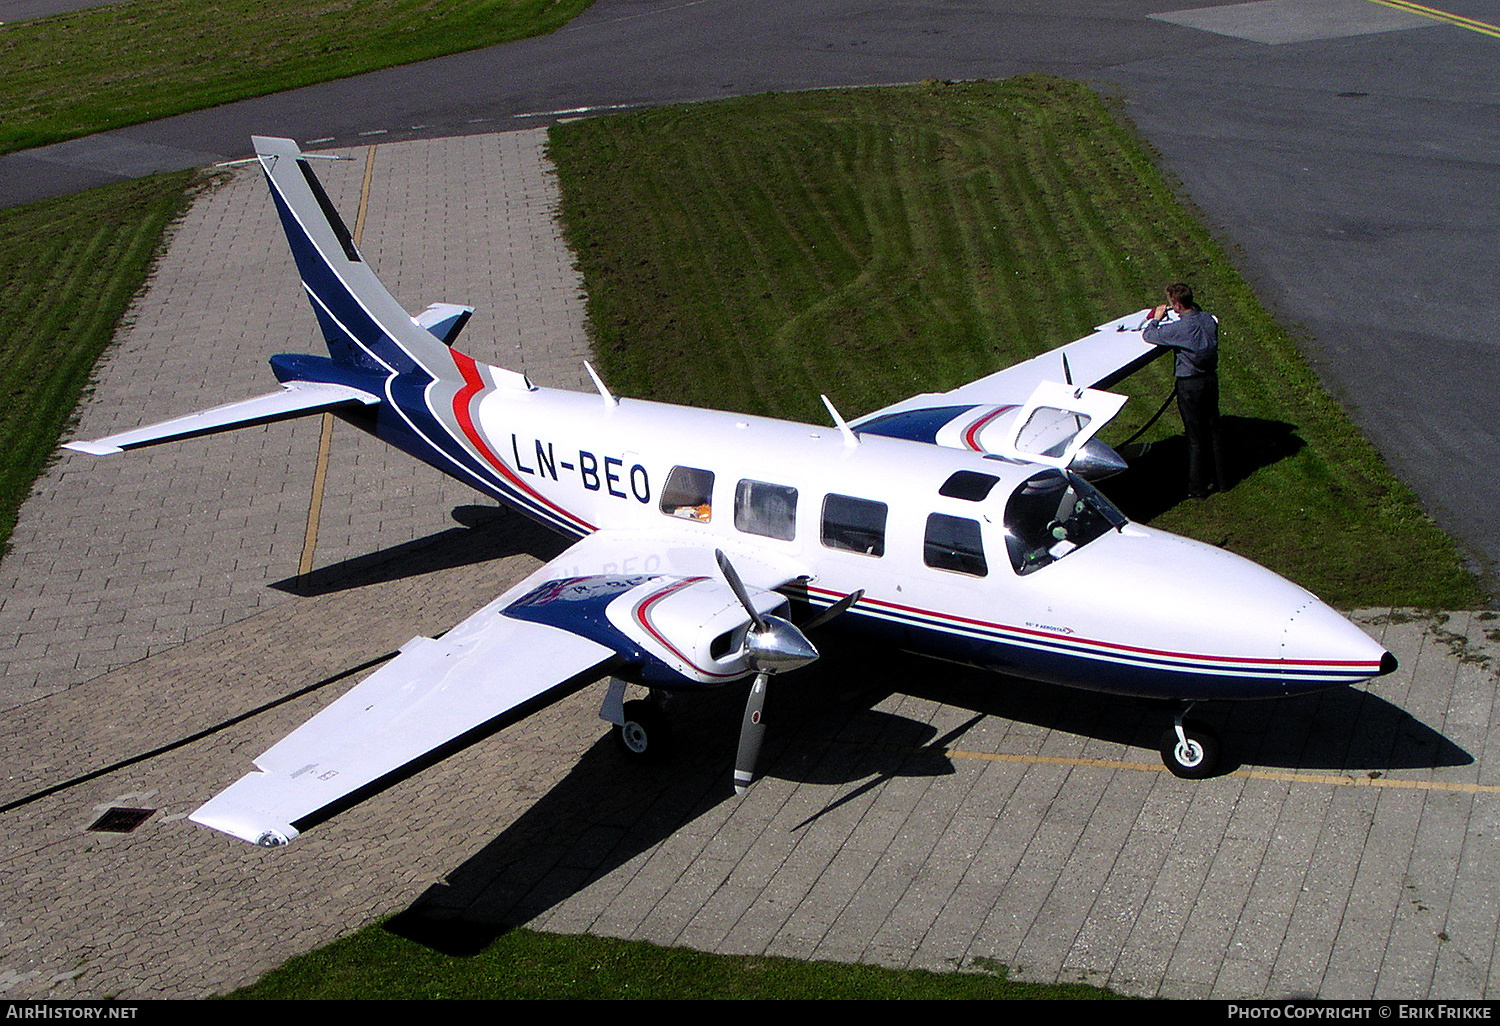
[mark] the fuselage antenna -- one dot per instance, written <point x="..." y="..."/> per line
<point x="850" y="438"/>
<point x="610" y="402"/>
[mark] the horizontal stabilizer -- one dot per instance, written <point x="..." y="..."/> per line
<point x="296" y="399"/>
<point x="445" y="320"/>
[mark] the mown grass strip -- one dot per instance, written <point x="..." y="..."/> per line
<point x="521" y="964"/>
<point x="871" y="244"/>
<point x="75" y="74"/>
<point x="68" y="270"/>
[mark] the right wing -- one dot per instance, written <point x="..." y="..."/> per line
<point x="997" y="413"/>
<point x="614" y="601"/>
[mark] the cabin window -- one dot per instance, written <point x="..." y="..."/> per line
<point x="953" y="543"/>
<point x="689" y="494"/>
<point x="1052" y="514"/>
<point x="769" y="510"/>
<point x="855" y="525"/>
<point x="968" y="484"/>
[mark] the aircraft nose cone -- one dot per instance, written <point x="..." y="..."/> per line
<point x="1318" y="641"/>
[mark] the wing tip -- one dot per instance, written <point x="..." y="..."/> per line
<point x="93" y="448"/>
<point x="241" y="819"/>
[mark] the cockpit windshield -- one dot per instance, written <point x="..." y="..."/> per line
<point x="1050" y="515"/>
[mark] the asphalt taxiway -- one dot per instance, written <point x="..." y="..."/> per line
<point x="911" y="814"/>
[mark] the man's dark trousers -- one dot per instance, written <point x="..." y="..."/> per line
<point x="1198" y="402"/>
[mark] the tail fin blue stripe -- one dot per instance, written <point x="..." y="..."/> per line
<point x="361" y="322"/>
<point x="351" y="334"/>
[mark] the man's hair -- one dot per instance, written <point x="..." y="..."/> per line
<point x="1182" y="294"/>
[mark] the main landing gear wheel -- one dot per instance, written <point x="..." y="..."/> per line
<point x="1193" y="755"/>
<point x="646" y="734"/>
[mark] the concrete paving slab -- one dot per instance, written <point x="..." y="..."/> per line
<point x="1297" y="21"/>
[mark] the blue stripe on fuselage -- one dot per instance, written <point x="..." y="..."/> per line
<point x="1068" y="663"/>
<point x="914" y="425"/>
<point x="355" y="338"/>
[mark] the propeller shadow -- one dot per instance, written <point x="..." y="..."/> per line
<point x="608" y="811"/>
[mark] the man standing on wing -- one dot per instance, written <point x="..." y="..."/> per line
<point x="1195" y="335"/>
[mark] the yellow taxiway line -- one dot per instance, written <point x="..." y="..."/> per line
<point x="1289" y="776"/>
<point x="1451" y="19"/>
<point x="325" y="439"/>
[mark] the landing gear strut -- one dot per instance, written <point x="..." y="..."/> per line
<point x="642" y="730"/>
<point x="1190" y="749"/>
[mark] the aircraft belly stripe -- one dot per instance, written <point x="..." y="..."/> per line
<point x="1214" y="665"/>
<point x="463" y="409"/>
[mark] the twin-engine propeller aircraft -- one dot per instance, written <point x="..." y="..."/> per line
<point x="960" y="525"/>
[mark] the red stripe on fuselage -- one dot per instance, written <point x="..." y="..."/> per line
<point x="971" y="436"/>
<point x="1070" y="641"/>
<point x="462" y="401"/>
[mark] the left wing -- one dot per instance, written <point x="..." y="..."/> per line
<point x="999" y="413"/>
<point x="614" y="601"/>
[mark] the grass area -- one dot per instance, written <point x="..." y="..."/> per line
<point x="68" y="270"/>
<point x="375" y="963"/>
<point x="74" y="74"/>
<point x="870" y="244"/>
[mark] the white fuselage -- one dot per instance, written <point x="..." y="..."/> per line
<point x="1133" y="609"/>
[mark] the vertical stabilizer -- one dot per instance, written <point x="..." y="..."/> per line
<point x="361" y="321"/>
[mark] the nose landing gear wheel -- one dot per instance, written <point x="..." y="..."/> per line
<point x="1194" y="754"/>
<point x="646" y="735"/>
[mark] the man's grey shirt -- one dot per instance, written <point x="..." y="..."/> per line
<point x="1195" y="336"/>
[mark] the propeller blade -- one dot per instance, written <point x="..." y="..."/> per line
<point x="752" y="730"/>
<point x="841" y="606"/>
<point x="738" y="587"/>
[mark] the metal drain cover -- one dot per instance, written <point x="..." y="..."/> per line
<point x="121" y="821"/>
